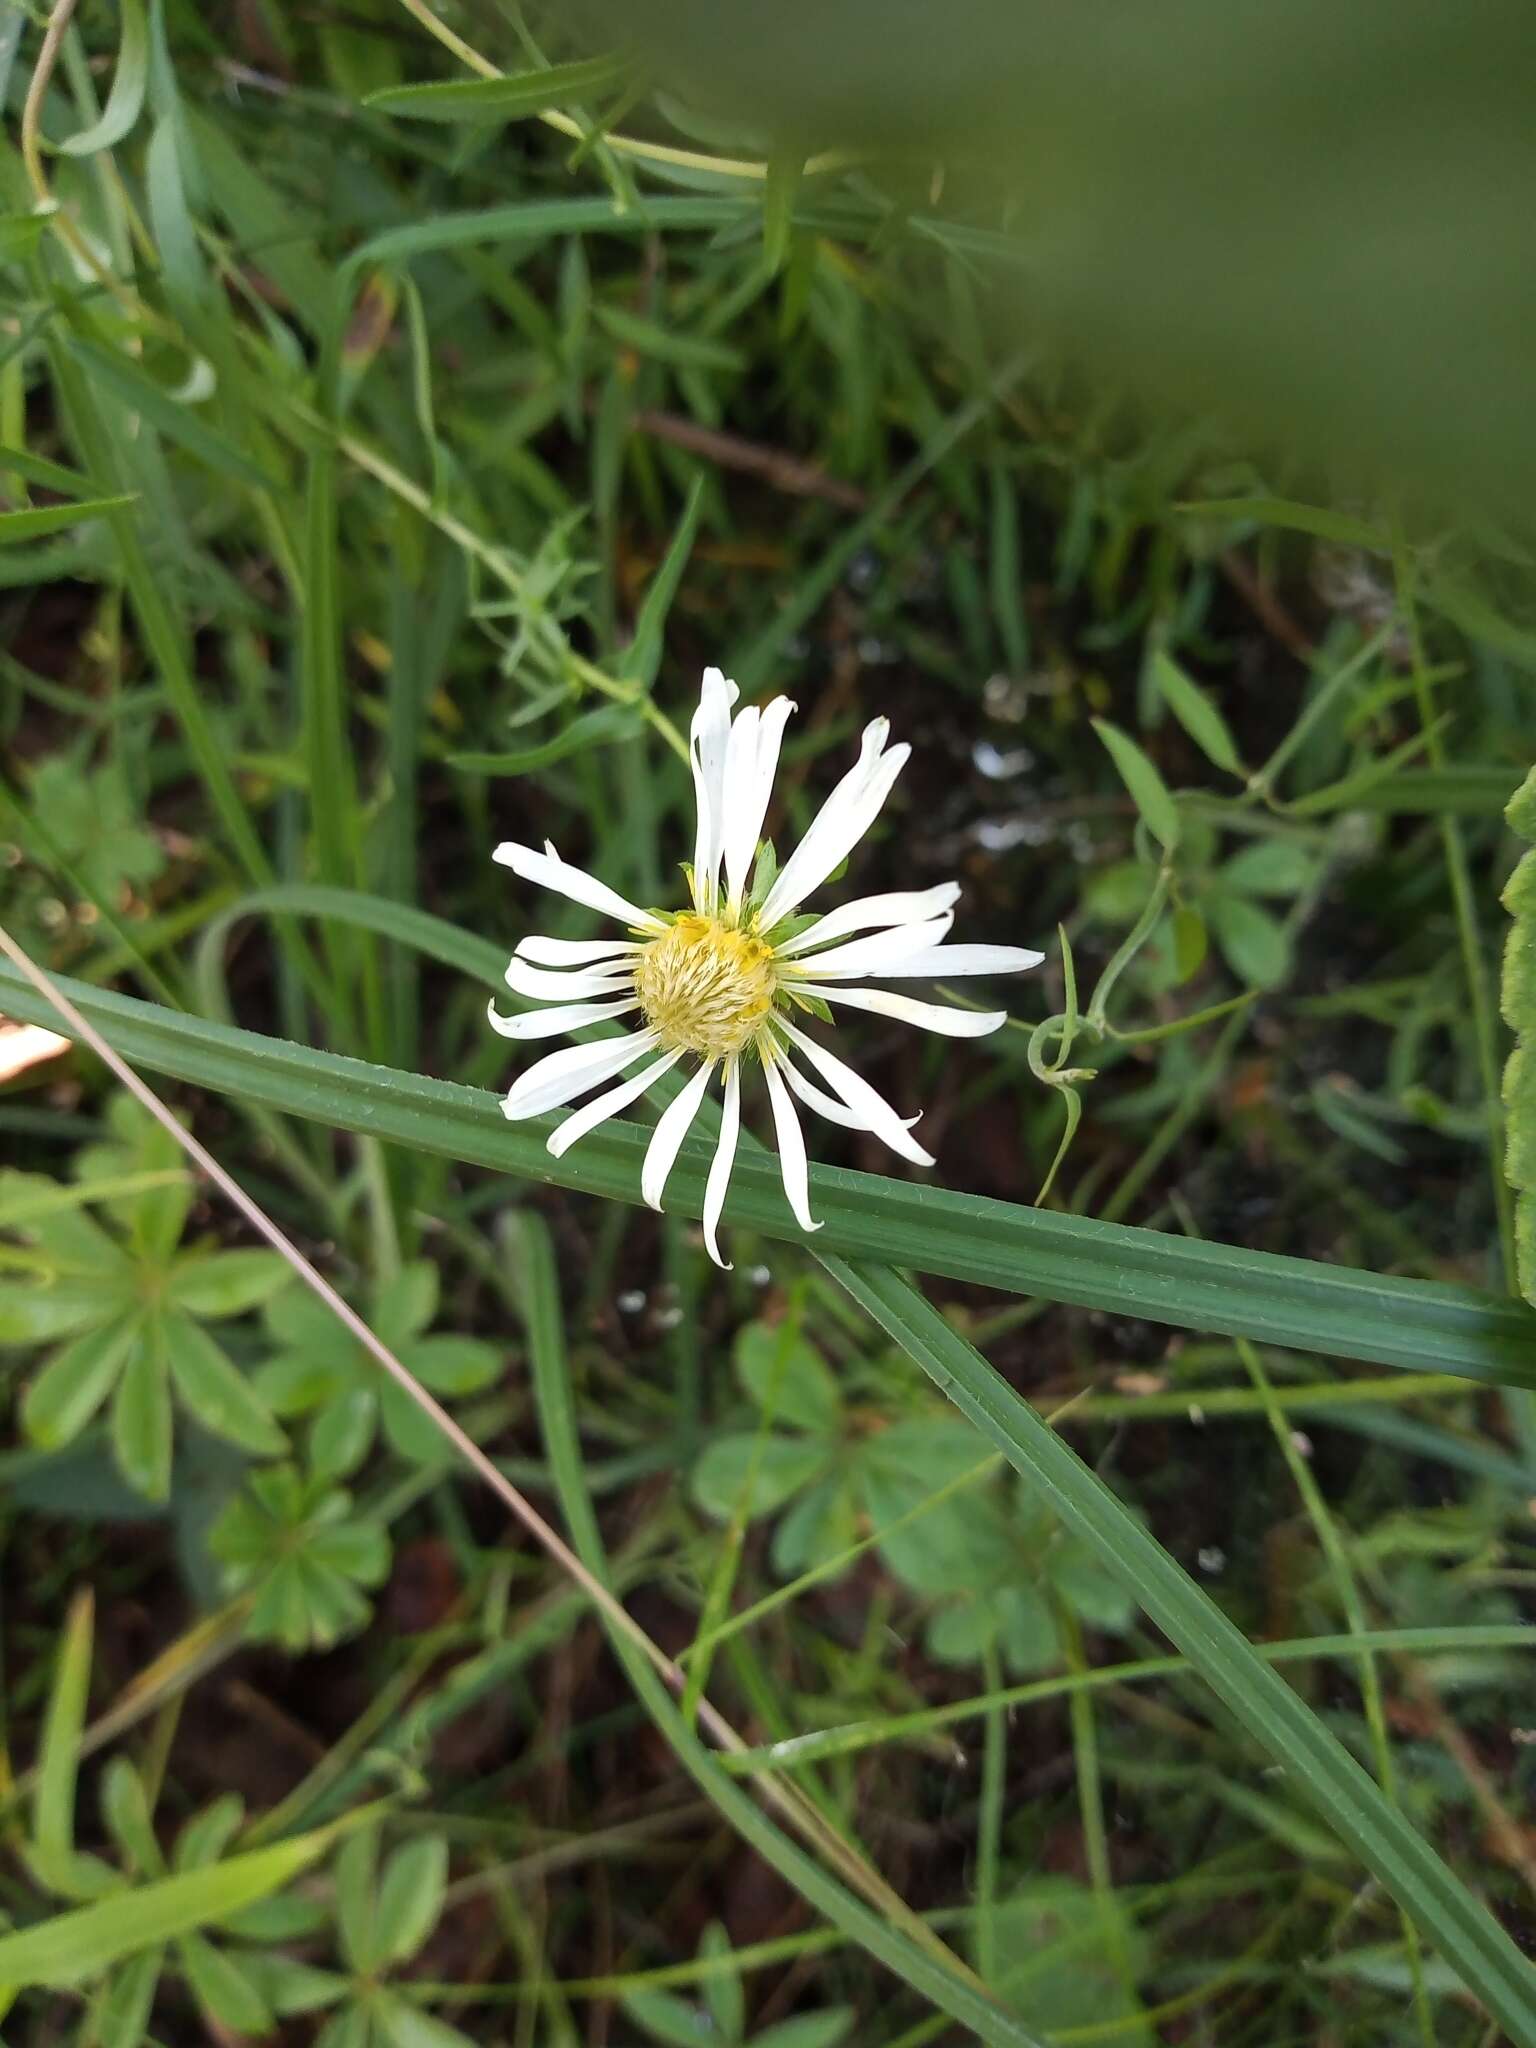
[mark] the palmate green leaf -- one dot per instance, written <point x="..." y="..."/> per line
<point x="1518" y="1001"/>
<point x="1422" y="1325"/>
<point x="1457" y="1925"/>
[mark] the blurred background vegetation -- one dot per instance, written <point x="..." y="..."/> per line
<point x="1136" y="409"/>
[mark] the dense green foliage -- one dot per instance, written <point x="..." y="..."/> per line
<point x="1078" y="1595"/>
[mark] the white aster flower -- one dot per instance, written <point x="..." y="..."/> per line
<point x="729" y="980"/>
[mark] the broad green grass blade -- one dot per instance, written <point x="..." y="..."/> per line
<point x="1460" y="1928"/>
<point x="1344" y="1313"/>
<point x="72" y="1947"/>
<point x="925" y="1973"/>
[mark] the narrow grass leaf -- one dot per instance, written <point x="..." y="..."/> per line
<point x="35" y="520"/>
<point x="53" y="1809"/>
<point x="509" y="98"/>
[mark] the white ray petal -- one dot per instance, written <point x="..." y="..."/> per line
<point x="561" y="1076"/>
<point x="899" y="906"/>
<point x="602" y="1107"/>
<point x="792" y="1165"/>
<point x="724" y="1159"/>
<point x="946" y="963"/>
<point x="574" y="952"/>
<point x="927" y="1016"/>
<point x="672" y="1126"/>
<point x="551" y="872"/>
<point x="560" y="1017"/>
<point x="864" y="1101"/>
<point x="826" y="1105"/>
<point x="708" y="739"/>
<point x="548" y="985"/>
<point x="749" y="771"/>
<point x="881" y="953"/>
<point x="840" y="824"/>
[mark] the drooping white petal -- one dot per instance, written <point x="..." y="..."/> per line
<point x="551" y="872"/>
<point x="672" y="1126"/>
<point x="840" y="824"/>
<point x="561" y="1076"/>
<point x="560" y="1017"/>
<point x="937" y="1017"/>
<point x="881" y="953"/>
<point x="547" y="985"/>
<point x="574" y="952"/>
<point x="750" y="766"/>
<point x="826" y="1105"/>
<point x="724" y="1159"/>
<point x="865" y="1102"/>
<point x="708" y="739"/>
<point x="946" y="963"/>
<point x="900" y="906"/>
<point x="602" y="1107"/>
<point x="792" y="1166"/>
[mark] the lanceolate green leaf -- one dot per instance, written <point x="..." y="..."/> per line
<point x="72" y="1947"/>
<point x="1422" y="1325"/>
<point x="1464" y="1933"/>
<point x="502" y="99"/>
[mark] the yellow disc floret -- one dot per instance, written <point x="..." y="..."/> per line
<point x="705" y="986"/>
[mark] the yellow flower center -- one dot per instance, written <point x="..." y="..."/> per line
<point x="704" y="986"/>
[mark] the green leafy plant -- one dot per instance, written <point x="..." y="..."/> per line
<point x="385" y="1910"/>
<point x="132" y="1303"/>
<point x="293" y="1542"/>
<point x="321" y="1371"/>
<point x="146" y="1911"/>
<point x="987" y="1561"/>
